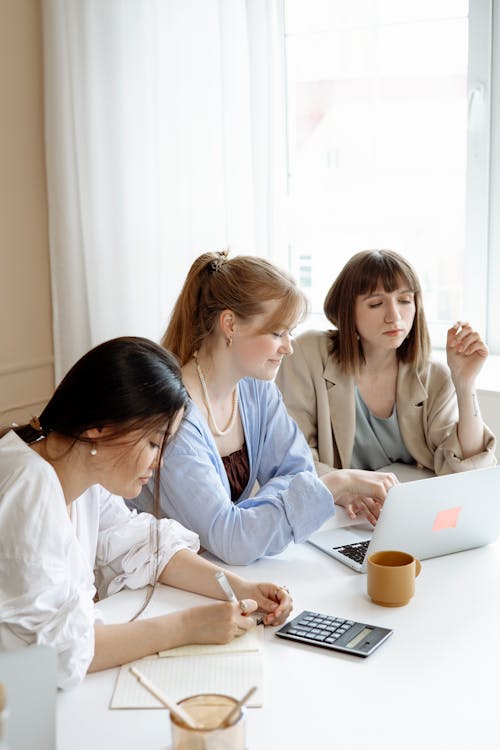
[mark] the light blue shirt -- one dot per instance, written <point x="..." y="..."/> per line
<point x="290" y="504"/>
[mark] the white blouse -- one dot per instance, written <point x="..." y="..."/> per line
<point x="51" y="564"/>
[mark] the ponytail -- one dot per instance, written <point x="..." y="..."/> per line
<point x="241" y="284"/>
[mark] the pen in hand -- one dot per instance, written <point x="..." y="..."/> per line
<point x="221" y="579"/>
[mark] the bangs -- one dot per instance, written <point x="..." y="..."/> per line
<point x="291" y="312"/>
<point x="385" y="270"/>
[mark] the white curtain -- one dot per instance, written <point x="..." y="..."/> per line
<point x="165" y="137"/>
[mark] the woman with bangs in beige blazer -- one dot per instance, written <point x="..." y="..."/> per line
<point x="367" y="394"/>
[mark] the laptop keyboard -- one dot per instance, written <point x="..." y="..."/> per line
<point x="355" y="551"/>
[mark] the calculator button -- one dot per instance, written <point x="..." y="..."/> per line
<point x="330" y="632"/>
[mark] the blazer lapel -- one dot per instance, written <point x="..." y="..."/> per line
<point x="340" y="392"/>
<point x="411" y="394"/>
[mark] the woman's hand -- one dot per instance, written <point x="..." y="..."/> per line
<point x="218" y="623"/>
<point x="359" y="506"/>
<point x="275" y="601"/>
<point x="187" y="570"/>
<point x="466" y="353"/>
<point x="361" y="493"/>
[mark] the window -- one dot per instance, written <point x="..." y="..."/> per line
<point x="389" y="146"/>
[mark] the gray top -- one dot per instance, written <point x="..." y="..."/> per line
<point x="377" y="441"/>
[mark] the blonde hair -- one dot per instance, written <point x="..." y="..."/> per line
<point x="241" y="284"/>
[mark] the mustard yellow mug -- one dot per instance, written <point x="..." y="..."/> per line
<point x="391" y="577"/>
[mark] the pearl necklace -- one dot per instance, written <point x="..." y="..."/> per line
<point x="215" y="429"/>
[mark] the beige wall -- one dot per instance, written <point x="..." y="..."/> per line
<point x="26" y="352"/>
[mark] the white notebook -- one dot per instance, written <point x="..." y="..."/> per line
<point x="230" y="669"/>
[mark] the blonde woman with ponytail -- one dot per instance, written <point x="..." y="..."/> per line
<point x="231" y="328"/>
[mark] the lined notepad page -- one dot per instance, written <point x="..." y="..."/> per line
<point x="250" y="641"/>
<point x="230" y="669"/>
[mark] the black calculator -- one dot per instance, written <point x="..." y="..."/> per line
<point x="335" y="633"/>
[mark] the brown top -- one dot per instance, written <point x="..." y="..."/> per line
<point x="238" y="471"/>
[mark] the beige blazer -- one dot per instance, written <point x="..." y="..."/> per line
<point x="321" y="400"/>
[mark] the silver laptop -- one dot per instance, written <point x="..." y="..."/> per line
<point x="29" y="676"/>
<point x="427" y="518"/>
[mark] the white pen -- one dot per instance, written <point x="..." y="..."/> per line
<point x="221" y="579"/>
<point x="225" y="586"/>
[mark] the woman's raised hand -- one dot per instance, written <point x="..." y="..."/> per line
<point x="466" y="353"/>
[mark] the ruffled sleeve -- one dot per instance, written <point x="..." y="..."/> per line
<point x="126" y="544"/>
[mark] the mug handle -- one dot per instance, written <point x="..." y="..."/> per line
<point x="418" y="567"/>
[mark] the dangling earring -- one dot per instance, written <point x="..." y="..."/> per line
<point x="229" y="341"/>
<point x="93" y="451"/>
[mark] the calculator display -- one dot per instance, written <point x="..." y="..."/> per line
<point x="359" y="638"/>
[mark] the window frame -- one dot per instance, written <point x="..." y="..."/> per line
<point x="493" y="311"/>
<point x="482" y="226"/>
<point x="477" y="213"/>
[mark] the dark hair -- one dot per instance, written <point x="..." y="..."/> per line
<point x="127" y="383"/>
<point x="241" y="284"/>
<point x="361" y="275"/>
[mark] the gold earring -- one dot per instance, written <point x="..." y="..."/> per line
<point x="229" y="341"/>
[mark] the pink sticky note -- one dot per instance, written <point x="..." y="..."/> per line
<point x="446" y="519"/>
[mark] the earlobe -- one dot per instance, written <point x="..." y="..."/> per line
<point x="227" y="323"/>
<point x="93" y="433"/>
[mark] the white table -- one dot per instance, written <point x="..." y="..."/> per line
<point x="433" y="684"/>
